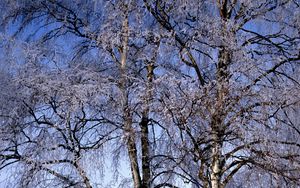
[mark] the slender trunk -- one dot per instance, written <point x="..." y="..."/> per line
<point x="217" y="126"/>
<point x="132" y="152"/>
<point x="129" y="131"/>
<point x="145" y="152"/>
<point x="215" y="175"/>
<point x="144" y="130"/>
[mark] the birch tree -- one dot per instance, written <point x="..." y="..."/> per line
<point x="63" y="18"/>
<point x="195" y="93"/>
<point x="243" y="81"/>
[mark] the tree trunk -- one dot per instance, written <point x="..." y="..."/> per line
<point x="145" y="152"/>
<point x="144" y="130"/>
<point x="217" y="142"/>
<point x="128" y="129"/>
<point x="132" y="152"/>
<point x="216" y="160"/>
<point x="217" y="127"/>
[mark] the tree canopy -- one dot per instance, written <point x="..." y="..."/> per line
<point x="150" y="94"/>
